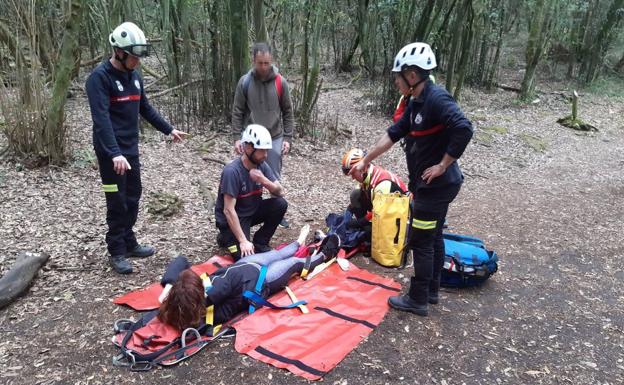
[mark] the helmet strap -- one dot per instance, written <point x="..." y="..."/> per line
<point x="122" y="59"/>
<point x="251" y="158"/>
<point x="412" y="87"/>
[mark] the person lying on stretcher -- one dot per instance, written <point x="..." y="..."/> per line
<point x="187" y="296"/>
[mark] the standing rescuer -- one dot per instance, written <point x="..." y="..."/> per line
<point x="116" y="98"/>
<point x="436" y="134"/>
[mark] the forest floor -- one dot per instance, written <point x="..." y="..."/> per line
<point x="546" y="198"/>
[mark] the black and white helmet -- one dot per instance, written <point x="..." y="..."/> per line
<point x="258" y="136"/>
<point x="129" y="38"/>
<point x="415" y="54"/>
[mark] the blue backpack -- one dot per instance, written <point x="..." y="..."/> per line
<point x="466" y="262"/>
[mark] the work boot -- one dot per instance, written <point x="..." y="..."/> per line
<point x="140" y="252"/>
<point x="260" y="248"/>
<point x="433" y="298"/>
<point x="330" y="246"/>
<point x="120" y="264"/>
<point x="284" y="223"/>
<point x="405" y="303"/>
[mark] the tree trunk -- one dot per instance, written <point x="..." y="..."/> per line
<point x="585" y="35"/>
<point x="345" y="66"/>
<point x="489" y="84"/>
<point x="455" y="46"/>
<point x="540" y="25"/>
<point x="170" y="43"/>
<point x="484" y="49"/>
<point x="54" y="134"/>
<point x="420" y="34"/>
<point x="239" y="38"/>
<point x="620" y="65"/>
<point x="601" y="43"/>
<point x="25" y="82"/>
<point x="19" y="277"/>
<point x="258" y="20"/>
<point x="467" y="42"/>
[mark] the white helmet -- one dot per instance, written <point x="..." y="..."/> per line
<point x="129" y="38"/>
<point x="258" y="136"/>
<point x="415" y="54"/>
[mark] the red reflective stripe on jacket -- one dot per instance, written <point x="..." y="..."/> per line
<point x="400" y="109"/>
<point x="428" y="131"/>
<point x="254" y="192"/>
<point x="127" y="98"/>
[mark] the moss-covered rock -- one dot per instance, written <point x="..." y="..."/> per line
<point x="576" y="124"/>
<point x="535" y="142"/>
<point x="164" y="204"/>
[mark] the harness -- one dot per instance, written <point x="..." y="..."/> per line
<point x="256" y="300"/>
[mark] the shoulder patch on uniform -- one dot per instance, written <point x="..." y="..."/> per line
<point x="119" y="86"/>
<point x="418" y="119"/>
<point x="137" y="84"/>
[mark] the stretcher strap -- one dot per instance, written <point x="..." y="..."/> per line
<point x="258" y="288"/>
<point x="299" y="364"/>
<point x="209" y="309"/>
<point x="258" y="300"/>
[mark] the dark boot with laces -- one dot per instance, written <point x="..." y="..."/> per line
<point x="140" y="252"/>
<point x="120" y="264"/>
<point x="406" y="303"/>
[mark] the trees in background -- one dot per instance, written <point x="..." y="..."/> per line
<point x="202" y="48"/>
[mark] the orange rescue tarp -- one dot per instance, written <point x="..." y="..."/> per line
<point x="345" y="307"/>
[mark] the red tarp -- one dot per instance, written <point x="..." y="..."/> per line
<point x="345" y="307"/>
<point x="147" y="299"/>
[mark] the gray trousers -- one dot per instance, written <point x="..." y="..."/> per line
<point x="274" y="158"/>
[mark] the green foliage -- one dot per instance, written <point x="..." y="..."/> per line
<point x="612" y="86"/>
<point x="84" y="157"/>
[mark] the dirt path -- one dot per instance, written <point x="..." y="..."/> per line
<point x="545" y="198"/>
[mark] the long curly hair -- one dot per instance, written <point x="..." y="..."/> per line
<point x="185" y="306"/>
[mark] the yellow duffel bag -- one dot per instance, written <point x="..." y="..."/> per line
<point x="391" y="214"/>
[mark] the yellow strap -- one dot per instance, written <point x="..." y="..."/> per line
<point x="110" y="188"/>
<point x="210" y="309"/>
<point x="233" y="249"/>
<point x="293" y="298"/>
<point x="304" y="273"/>
<point x="210" y="315"/>
<point x="424" y="225"/>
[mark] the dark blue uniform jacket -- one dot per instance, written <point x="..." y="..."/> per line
<point x="116" y="99"/>
<point x="432" y="125"/>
